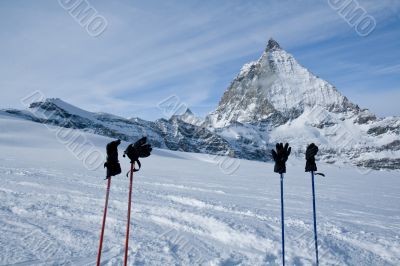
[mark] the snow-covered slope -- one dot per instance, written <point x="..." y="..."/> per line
<point x="185" y="211"/>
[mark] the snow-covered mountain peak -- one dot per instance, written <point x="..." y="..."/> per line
<point x="50" y="105"/>
<point x="189" y="118"/>
<point x="276" y="82"/>
<point x="275" y="99"/>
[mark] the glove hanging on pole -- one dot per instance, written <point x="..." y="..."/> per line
<point x="112" y="163"/>
<point x="113" y="168"/>
<point x="139" y="149"/>
<point x="134" y="151"/>
<point x="280" y="157"/>
<point x="311" y="151"/>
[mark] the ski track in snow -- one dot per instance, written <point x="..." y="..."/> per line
<point x="186" y="212"/>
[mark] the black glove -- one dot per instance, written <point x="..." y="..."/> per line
<point x="311" y="151"/>
<point x="138" y="149"/>
<point x="280" y="157"/>
<point x="112" y="163"/>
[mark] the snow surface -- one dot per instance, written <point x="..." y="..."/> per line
<point x="185" y="211"/>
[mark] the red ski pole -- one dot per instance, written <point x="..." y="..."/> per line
<point x="104" y="221"/>
<point x="129" y="215"/>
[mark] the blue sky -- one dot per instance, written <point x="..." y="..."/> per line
<point x="192" y="49"/>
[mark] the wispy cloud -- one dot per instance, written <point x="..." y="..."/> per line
<point x="387" y="70"/>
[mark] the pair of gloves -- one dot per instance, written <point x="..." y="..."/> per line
<point x="282" y="153"/>
<point x="138" y="149"/>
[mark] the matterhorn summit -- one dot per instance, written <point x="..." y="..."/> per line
<point x="276" y="82"/>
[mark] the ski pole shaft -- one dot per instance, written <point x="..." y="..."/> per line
<point x="104" y="221"/>
<point x="315" y="219"/>
<point x="283" y="223"/>
<point x="129" y="215"/>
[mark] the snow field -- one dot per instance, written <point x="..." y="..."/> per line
<point x="185" y="211"/>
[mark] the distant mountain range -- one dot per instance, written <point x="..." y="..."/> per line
<point x="273" y="99"/>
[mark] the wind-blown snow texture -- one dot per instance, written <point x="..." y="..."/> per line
<point x="274" y="99"/>
<point x="185" y="210"/>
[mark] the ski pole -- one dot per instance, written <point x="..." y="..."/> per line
<point x="280" y="157"/>
<point x="315" y="219"/>
<point x="283" y="223"/>
<point x="129" y="215"/>
<point x="104" y="221"/>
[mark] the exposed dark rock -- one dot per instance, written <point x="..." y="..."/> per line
<point x="378" y="164"/>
